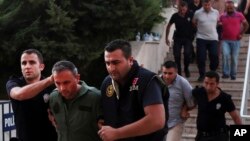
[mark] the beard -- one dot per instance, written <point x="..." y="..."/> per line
<point x="230" y="12"/>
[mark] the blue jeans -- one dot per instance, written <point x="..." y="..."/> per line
<point x="230" y="48"/>
<point x="202" y="47"/>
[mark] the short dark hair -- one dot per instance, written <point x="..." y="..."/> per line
<point x="206" y="1"/>
<point x="64" y="65"/>
<point x="170" y="64"/>
<point x="183" y="4"/>
<point x="35" y="51"/>
<point x="119" y="44"/>
<point x="213" y="74"/>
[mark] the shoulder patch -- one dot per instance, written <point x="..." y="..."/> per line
<point x="46" y="98"/>
<point x="110" y="91"/>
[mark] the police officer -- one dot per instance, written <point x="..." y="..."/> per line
<point x="131" y="98"/>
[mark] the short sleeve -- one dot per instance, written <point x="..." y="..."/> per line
<point x="12" y="82"/>
<point x="229" y="103"/>
<point x="152" y="94"/>
<point x="195" y="92"/>
<point x="242" y="17"/>
<point x="172" y="19"/>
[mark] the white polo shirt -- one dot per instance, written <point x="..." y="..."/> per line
<point x="206" y="24"/>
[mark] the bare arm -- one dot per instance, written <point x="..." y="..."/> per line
<point x="194" y="21"/>
<point x="52" y="118"/>
<point x="185" y="111"/>
<point x="247" y="7"/>
<point x="235" y="117"/>
<point x="31" y="90"/>
<point x="167" y="33"/>
<point x="245" y="26"/>
<point x="153" y="120"/>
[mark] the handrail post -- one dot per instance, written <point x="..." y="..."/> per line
<point x="245" y="94"/>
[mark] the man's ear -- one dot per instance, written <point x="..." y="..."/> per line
<point x="78" y="77"/>
<point x="42" y="66"/>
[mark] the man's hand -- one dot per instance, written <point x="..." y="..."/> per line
<point x="52" y="118"/>
<point x="168" y="42"/>
<point x="245" y="11"/>
<point x="100" y="123"/>
<point x="107" y="133"/>
<point x="240" y="36"/>
<point x="185" y="114"/>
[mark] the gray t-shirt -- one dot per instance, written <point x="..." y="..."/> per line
<point x="206" y="24"/>
<point x="180" y="91"/>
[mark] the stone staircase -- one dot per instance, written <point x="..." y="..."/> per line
<point x="233" y="87"/>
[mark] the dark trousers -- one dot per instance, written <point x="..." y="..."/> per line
<point x="187" y="45"/>
<point x="202" y="47"/>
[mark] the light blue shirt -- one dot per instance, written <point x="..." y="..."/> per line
<point x="180" y="91"/>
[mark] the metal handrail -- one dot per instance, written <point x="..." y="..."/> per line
<point x="245" y="94"/>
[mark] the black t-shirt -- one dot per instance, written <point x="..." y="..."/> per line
<point x="193" y="7"/>
<point x="211" y="114"/>
<point x="183" y="25"/>
<point x="31" y="117"/>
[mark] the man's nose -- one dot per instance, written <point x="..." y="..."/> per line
<point x="111" y="67"/>
<point x="62" y="87"/>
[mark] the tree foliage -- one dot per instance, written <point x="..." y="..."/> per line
<point x="75" y="30"/>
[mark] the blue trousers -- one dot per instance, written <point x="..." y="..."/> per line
<point x="230" y="49"/>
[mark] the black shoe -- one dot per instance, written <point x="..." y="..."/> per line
<point x="187" y="73"/>
<point x="224" y="76"/>
<point x="233" y="77"/>
<point x="200" y="79"/>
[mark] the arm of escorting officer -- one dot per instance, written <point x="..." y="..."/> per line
<point x="30" y="90"/>
<point x="235" y="116"/>
<point x="153" y="120"/>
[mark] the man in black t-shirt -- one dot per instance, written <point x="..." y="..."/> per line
<point x="213" y="103"/>
<point x="183" y="36"/>
<point x="195" y="5"/>
<point x="29" y="96"/>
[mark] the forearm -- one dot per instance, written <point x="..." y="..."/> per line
<point x="245" y="27"/>
<point x="235" y="116"/>
<point x="148" y="124"/>
<point x="238" y="121"/>
<point x="31" y="90"/>
<point x="167" y="32"/>
<point x="247" y="5"/>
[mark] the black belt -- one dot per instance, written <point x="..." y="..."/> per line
<point x="212" y="133"/>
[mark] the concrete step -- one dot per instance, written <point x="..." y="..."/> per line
<point x="224" y="83"/>
<point x="195" y="75"/>
<point x="193" y="112"/>
<point x="232" y="87"/>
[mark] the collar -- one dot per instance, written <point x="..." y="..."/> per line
<point x="84" y="88"/>
<point x="230" y="14"/>
<point x="211" y="10"/>
<point x="133" y="71"/>
<point x="175" y="80"/>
